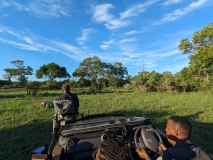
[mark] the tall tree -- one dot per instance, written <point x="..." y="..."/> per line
<point x="91" y="68"/>
<point x="10" y="73"/>
<point x="116" y="73"/>
<point x="20" y="71"/>
<point x="200" y="51"/>
<point x="52" y="71"/>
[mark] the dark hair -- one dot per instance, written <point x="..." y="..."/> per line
<point x="114" y="149"/>
<point x="182" y="125"/>
<point x="66" y="87"/>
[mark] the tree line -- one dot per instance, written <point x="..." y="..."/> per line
<point x="94" y="73"/>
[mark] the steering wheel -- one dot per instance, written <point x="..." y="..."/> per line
<point x="147" y="139"/>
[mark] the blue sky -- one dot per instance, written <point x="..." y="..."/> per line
<point x="142" y="34"/>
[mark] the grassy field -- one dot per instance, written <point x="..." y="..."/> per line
<point x="25" y="125"/>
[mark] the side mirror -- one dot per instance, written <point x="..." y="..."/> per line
<point x="40" y="150"/>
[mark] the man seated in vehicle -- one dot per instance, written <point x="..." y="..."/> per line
<point x="67" y="95"/>
<point x="178" y="130"/>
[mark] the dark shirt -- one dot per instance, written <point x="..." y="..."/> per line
<point x="184" y="150"/>
<point x="64" y="96"/>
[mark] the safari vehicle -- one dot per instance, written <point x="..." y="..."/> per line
<point x="79" y="139"/>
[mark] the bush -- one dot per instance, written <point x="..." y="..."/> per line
<point x="33" y="86"/>
<point x="53" y="85"/>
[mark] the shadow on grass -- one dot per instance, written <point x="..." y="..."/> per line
<point x="45" y="93"/>
<point x="12" y="96"/>
<point x="17" y="143"/>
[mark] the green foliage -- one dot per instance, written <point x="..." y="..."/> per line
<point x="185" y="46"/>
<point x="52" y="71"/>
<point x="100" y="74"/>
<point x="90" y="68"/>
<point x="33" y="86"/>
<point x="147" y="80"/>
<point x="10" y="72"/>
<point x="53" y="85"/>
<point x="201" y="52"/>
<point x="3" y="82"/>
<point x="20" y="72"/>
<point x="115" y="74"/>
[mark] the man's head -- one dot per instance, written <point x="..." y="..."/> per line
<point x="113" y="149"/>
<point x="178" y="128"/>
<point x="66" y="88"/>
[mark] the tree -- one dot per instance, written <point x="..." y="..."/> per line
<point x="200" y="51"/>
<point x="92" y="69"/>
<point x="167" y="81"/>
<point x="10" y="72"/>
<point x="153" y="80"/>
<point x="147" y="81"/>
<point x="116" y="73"/>
<point x="20" y="72"/>
<point x="52" y="71"/>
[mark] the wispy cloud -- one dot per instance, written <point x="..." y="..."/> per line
<point x="4" y="3"/>
<point x="28" y="41"/>
<point x="131" y="32"/>
<point x="136" y="9"/>
<point x="169" y="2"/>
<point x="165" y="54"/>
<point x="106" y="45"/>
<point x="85" y="34"/>
<point x="101" y="15"/>
<point x="175" y="67"/>
<point x="5" y="15"/>
<point x="180" y="12"/>
<point x="39" y="8"/>
<point x="127" y="40"/>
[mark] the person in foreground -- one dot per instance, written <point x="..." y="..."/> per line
<point x="178" y="130"/>
<point x="113" y="149"/>
<point x="65" y="96"/>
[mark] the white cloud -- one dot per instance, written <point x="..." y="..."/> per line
<point x="106" y="45"/>
<point x="131" y="32"/>
<point x="28" y="41"/>
<point x="85" y="34"/>
<point x="42" y="8"/>
<point x="169" y="2"/>
<point x="4" y="4"/>
<point x="18" y="44"/>
<point x="180" y="12"/>
<point x="155" y="54"/>
<point x="136" y="9"/>
<point x="127" y="40"/>
<point x="101" y="15"/>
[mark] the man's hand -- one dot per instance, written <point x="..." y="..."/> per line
<point x="142" y="153"/>
<point x="161" y="147"/>
<point x="42" y="104"/>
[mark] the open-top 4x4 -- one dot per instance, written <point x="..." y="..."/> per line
<point x="79" y="139"/>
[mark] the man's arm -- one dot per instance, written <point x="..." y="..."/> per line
<point x="47" y="104"/>
<point x="142" y="154"/>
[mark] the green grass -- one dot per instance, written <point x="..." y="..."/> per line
<point x="25" y="125"/>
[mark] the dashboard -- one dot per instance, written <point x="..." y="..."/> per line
<point x="80" y="139"/>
